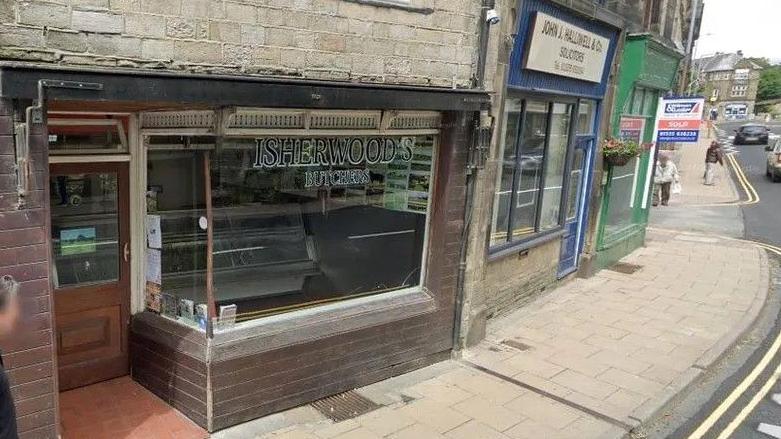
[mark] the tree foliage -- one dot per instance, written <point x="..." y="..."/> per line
<point x="769" y="84"/>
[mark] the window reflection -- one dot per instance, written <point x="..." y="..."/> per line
<point x="532" y="147"/>
<point x="295" y="222"/>
<point x="84" y="228"/>
<point x="534" y="204"/>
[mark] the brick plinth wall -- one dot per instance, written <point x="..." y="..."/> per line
<point x="24" y="254"/>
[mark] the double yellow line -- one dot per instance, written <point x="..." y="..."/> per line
<point x="744" y="385"/>
<point x="748" y="188"/>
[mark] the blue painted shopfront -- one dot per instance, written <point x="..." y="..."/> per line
<point x="584" y="99"/>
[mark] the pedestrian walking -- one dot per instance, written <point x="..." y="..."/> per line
<point x="666" y="174"/>
<point x="713" y="156"/>
<point x="9" y="314"/>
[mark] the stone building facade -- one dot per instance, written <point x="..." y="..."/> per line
<point x="409" y="42"/>
<point x="97" y="96"/>
<point x="501" y="278"/>
<point x="729" y="83"/>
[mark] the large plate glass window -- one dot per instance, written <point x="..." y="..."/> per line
<point x="531" y="178"/>
<point x="296" y="221"/>
<point x="175" y="203"/>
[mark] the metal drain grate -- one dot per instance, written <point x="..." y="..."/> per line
<point x="625" y="268"/>
<point x="515" y="344"/>
<point x="344" y="406"/>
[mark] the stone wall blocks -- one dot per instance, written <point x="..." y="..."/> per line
<point x="157" y="49"/>
<point x="253" y="34"/>
<point x="95" y="5"/>
<point x="98" y="22"/>
<point x="323" y="23"/>
<point x="163" y="7"/>
<point x="237" y="55"/>
<point x="225" y="31"/>
<point x="196" y="9"/>
<point x="21" y="36"/>
<point x="331" y="42"/>
<point x="125" y="5"/>
<point x="114" y="45"/>
<point x="198" y="52"/>
<point x="360" y="27"/>
<point x="145" y="25"/>
<point x="182" y="28"/>
<point x="240" y="12"/>
<point x="44" y="14"/>
<point x="265" y="55"/>
<point x="64" y="39"/>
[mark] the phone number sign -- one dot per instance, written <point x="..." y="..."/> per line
<point x="678" y="136"/>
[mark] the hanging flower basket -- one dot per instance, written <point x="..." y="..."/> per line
<point x="619" y="152"/>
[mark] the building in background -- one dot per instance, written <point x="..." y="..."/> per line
<point x="246" y="206"/>
<point x="729" y="83"/>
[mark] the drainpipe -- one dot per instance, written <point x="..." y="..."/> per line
<point x="482" y="43"/>
<point x="482" y="132"/>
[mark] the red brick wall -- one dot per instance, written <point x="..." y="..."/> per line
<point x="28" y="354"/>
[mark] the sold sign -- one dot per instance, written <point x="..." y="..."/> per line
<point x="679" y="124"/>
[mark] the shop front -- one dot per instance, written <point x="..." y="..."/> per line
<point x="241" y="246"/>
<point x="559" y="70"/>
<point x="648" y="71"/>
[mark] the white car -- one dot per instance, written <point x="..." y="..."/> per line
<point x="774" y="160"/>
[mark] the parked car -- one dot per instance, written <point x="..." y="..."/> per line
<point x="751" y="133"/>
<point x="774" y="161"/>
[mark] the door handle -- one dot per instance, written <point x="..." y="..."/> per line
<point x="126" y="252"/>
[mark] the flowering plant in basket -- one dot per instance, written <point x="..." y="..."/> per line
<point x="619" y="152"/>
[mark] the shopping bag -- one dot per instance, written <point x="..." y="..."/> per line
<point x="677" y="189"/>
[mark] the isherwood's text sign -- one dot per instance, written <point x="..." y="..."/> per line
<point x="328" y="152"/>
<point x="564" y="49"/>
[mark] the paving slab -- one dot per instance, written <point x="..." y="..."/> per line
<point x="593" y="358"/>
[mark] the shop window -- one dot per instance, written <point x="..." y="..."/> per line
<point x="650" y="102"/>
<point x="739" y="90"/>
<point x="295" y="221"/>
<point x="623" y="180"/>
<point x="585" y="120"/>
<point x="175" y="205"/>
<point x="715" y="94"/>
<point x="575" y="181"/>
<point x="558" y="141"/>
<point x="622" y="193"/>
<point x="638" y="96"/>
<point x="87" y="135"/>
<point x="534" y="149"/>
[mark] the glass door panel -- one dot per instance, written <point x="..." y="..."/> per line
<point x="85" y="228"/>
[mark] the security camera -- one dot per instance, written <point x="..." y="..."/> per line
<point x="492" y="17"/>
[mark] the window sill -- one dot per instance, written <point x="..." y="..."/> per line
<point x="517" y="247"/>
<point x="393" y="5"/>
<point x="274" y="332"/>
<point x="174" y="334"/>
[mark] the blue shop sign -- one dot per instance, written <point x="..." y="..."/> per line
<point x="559" y="52"/>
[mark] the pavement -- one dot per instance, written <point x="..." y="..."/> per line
<point x="594" y="358"/>
<point x="700" y="208"/>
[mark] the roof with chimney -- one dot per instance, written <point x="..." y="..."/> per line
<point x="720" y="62"/>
